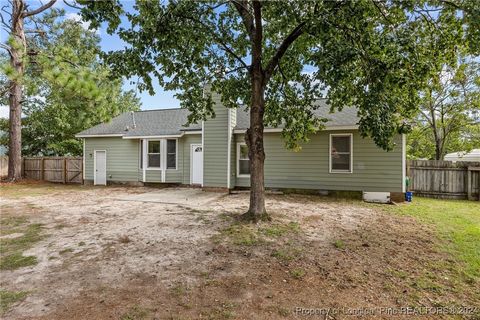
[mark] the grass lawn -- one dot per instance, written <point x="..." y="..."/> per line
<point x="457" y="223"/>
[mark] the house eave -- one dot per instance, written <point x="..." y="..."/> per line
<point x="98" y="135"/>
<point x="155" y="137"/>
<point x="328" y="128"/>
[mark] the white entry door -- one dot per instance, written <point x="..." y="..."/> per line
<point x="100" y="167"/>
<point x="196" y="156"/>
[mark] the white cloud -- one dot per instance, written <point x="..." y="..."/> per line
<point x="85" y="24"/>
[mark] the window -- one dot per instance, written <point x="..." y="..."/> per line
<point x="171" y="154"/>
<point x="243" y="162"/>
<point x="341" y="153"/>
<point x="153" y="154"/>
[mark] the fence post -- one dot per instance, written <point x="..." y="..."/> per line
<point x="42" y="172"/>
<point x="64" y="170"/>
<point x="469" y="184"/>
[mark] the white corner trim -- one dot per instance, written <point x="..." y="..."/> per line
<point x="144" y="160"/>
<point x="404" y="161"/>
<point x="229" y="146"/>
<point x="83" y="161"/>
<point x="330" y="152"/>
<point x="238" y="161"/>
<point x="98" y="135"/>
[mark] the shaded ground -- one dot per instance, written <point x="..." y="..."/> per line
<point x="98" y="256"/>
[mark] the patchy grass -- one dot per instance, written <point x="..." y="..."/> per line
<point x="287" y="253"/>
<point x="297" y="273"/>
<point x="339" y="244"/>
<point x="457" y="223"/>
<point x="246" y="234"/>
<point x="65" y="251"/>
<point x="7" y="298"/>
<point x="35" y="189"/>
<point x="136" y="313"/>
<point x="11" y="249"/>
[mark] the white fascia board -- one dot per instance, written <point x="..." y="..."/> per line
<point x="155" y="137"/>
<point x="328" y="128"/>
<point x="98" y="135"/>
<point x="193" y="132"/>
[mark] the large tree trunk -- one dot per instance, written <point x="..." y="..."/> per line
<point x="15" y="100"/>
<point x="256" y="153"/>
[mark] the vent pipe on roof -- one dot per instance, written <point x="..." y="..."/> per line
<point x="133" y="119"/>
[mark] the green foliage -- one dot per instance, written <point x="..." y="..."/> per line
<point x="67" y="89"/>
<point x="374" y="55"/>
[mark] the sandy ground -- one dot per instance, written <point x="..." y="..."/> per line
<point x="143" y="253"/>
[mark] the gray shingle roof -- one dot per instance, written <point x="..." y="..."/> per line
<point x="172" y="122"/>
<point x="147" y="123"/>
<point x="346" y="117"/>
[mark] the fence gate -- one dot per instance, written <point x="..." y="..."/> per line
<point x="54" y="169"/>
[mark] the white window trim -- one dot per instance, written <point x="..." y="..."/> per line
<point x="176" y="154"/>
<point x="160" y="154"/>
<point x="330" y="152"/>
<point x="238" y="161"/>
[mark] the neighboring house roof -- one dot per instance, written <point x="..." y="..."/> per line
<point x="473" y="155"/>
<point x="165" y="122"/>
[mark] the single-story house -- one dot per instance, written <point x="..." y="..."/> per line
<point x="155" y="146"/>
<point x="473" y="155"/>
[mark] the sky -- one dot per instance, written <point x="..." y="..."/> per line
<point x="161" y="100"/>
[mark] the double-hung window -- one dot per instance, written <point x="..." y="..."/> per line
<point x="153" y="154"/>
<point x="172" y="154"/>
<point x="243" y="162"/>
<point x="341" y="153"/>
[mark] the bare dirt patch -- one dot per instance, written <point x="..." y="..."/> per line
<point x="102" y="257"/>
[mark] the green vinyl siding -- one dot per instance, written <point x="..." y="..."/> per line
<point x="373" y="168"/>
<point x="122" y="158"/>
<point x="215" y="146"/>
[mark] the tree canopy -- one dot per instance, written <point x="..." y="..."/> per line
<point x="68" y="88"/>
<point x="362" y="53"/>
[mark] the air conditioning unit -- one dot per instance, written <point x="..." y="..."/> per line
<point x="377" y="197"/>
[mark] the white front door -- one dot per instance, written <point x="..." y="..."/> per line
<point x="100" y="167"/>
<point x="197" y="164"/>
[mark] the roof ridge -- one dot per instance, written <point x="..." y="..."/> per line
<point x="165" y="109"/>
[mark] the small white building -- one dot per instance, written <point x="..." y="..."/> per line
<point x="473" y="155"/>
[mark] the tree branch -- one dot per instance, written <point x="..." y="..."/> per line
<point x="297" y="32"/>
<point x="39" y="10"/>
<point x="7" y="48"/>
<point x="246" y="15"/>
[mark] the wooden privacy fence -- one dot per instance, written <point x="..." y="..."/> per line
<point x="444" y="179"/>
<point x="54" y="169"/>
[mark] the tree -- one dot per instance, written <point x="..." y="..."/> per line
<point x="362" y="53"/>
<point x="17" y="50"/>
<point x="54" y="110"/>
<point x="449" y="112"/>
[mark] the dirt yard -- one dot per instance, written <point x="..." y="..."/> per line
<point x="73" y="252"/>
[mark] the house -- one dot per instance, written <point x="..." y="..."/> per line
<point x="473" y="155"/>
<point x="155" y="146"/>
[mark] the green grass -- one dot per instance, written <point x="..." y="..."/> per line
<point x="7" y="298"/>
<point x="457" y="223"/>
<point x="297" y="273"/>
<point x="339" y="244"/>
<point x="11" y="249"/>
